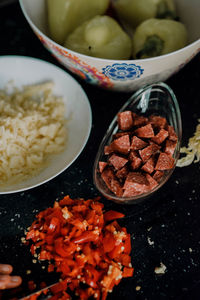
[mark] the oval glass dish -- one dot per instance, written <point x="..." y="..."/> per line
<point x="153" y="100"/>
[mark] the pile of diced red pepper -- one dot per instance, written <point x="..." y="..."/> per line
<point x="87" y="246"/>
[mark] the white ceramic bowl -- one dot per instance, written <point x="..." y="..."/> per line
<point x="77" y="111"/>
<point x="119" y="75"/>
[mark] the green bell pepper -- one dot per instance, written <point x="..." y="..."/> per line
<point x="155" y="37"/>
<point x="65" y="15"/>
<point x="134" y="12"/>
<point x="100" y="37"/>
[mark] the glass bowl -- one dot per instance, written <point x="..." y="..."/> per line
<point x="156" y="99"/>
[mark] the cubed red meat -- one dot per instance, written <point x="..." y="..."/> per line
<point x="152" y="182"/>
<point x="122" y="144"/>
<point x="155" y="147"/>
<point x="111" y="181"/>
<point x="160" y="136"/>
<point x="119" y="134"/>
<point x="139" y="120"/>
<point x="108" y="149"/>
<point x="133" y="154"/>
<point x="158" y="175"/>
<point x="137" y="181"/>
<point x="125" y="120"/>
<point x="136" y="163"/>
<point x="145" y="131"/>
<point x="102" y="166"/>
<point x="158" y="121"/>
<point x="164" y="162"/>
<point x="172" y="133"/>
<point x="137" y="143"/>
<point x="170" y="146"/>
<point x="117" y="161"/>
<point x="130" y="191"/>
<point x="149" y="166"/>
<point x="146" y="153"/>
<point x="122" y="173"/>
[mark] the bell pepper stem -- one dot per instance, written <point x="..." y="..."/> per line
<point x="163" y="12"/>
<point x="153" y="46"/>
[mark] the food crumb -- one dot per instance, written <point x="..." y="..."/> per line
<point x="28" y="272"/>
<point x="161" y="269"/>
<point x="17" y="215"/>
<point x="138" y="288"/>
<point x="23" y="240"/>
<point x="150" y="241"/>
<point x="190" y="250"/>
<point x="34" y="261"/>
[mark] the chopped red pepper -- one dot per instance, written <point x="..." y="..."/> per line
<point x="128" y="272"/>
<point x="108" y="242"/>
<point x="84" y="246"/>
<point x="112" y="215"/>
<point x="85" y="237"/>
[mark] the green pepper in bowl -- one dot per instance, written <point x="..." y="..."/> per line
<point x="100" y="37"/>
<point x="155" y="37"/>
<point x="65" y="15"/>
<point x="134" y="12"/>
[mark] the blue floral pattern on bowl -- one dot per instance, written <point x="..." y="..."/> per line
<point x="123" y="71"/>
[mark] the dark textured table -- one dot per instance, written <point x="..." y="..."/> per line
<point x="170" y="219"/>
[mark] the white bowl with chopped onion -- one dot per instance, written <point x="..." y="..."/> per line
<point x="45" y="122"/>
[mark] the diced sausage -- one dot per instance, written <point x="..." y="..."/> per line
<point x="155" y="147"/>
<point x="145" y="131"/>
<point x="160" y="136"/>
<point x="137" y="181"/>
<point x="117" y="161"/>
<point x="146" y="153"/>
<point x="158" y="175"/>
<point x="111" y="181"/>
<point x="102" y="166"/>
<point x="172" y="133"/>
<point x="122" y="173"/>
<point x="125" y="120"/>
<point x="157" y="121"/>
<point x="139" y="120"/>
<point x="108" y="149"/>
<point x="137" y="143"/>
<point x="136" y="163"/>
<point x="133" y="154"/>
<point x="130" y="191"/>
<point x="164" y="162"/>
<point x="119" y="134"/>
<point x="122" y="144"/>
<point x="149" y="165"/>
<point x="152" y="182"/>
<point x="170" y="146"/>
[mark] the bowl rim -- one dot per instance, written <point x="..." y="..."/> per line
<point x="139" y="198"/>
<point x="103" y="59"/>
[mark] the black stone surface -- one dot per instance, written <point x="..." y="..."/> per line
<point x="171" y="218"/>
